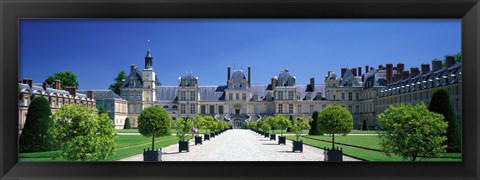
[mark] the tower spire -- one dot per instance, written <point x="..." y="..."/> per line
<point x="148" y="57"/>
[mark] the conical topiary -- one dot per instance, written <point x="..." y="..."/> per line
<point x="127" y="124"/>
<point x="35" y="136"/>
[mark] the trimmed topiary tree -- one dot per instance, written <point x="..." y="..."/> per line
<point x="154" y="121"/>
<point x="315" y="125"/>
<point x="127" y="124"/>
<point x="35" y="136"/>
<point x="412" y="131"/>
<point x="82" y="133"/>
<point x="335" y="119"/>
<point x="289" y="129"/>
<point x="441" y="104"/>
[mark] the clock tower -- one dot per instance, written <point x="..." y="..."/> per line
<point x="148" y="76"/>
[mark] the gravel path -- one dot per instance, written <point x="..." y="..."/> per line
<point x="239" y="145"/>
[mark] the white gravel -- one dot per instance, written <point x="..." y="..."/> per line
<point x="240" y="145"/>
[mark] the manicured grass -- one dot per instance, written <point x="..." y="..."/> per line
<point x="365" y="154"/>
<point x="363" y="132"/>
<point x="126" y="146"/>
<point x="127" y="130"/>
<point x="372" y="142"/>
<point x="285" y="132"/>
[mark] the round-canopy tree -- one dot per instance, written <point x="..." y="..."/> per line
<point x="335" y="120"/>
<point x="67" y="78"/>
<point x="282" y="123"/>
<point x="35" y="136"/>
<point x="183" y="126"/>
<point x="441" y="104"/>
<point x="412" y="131"/>
<point x="265" y="127"/>
<point x="199" y="123"/>
<point x="299" y="125"/>
<point x="82" y="133"/>
<point x="154" y="121"/>
<point x="272" y="122"/>
<point x="209" y="124"/>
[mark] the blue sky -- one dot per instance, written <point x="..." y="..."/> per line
<point x="97" y="49"/>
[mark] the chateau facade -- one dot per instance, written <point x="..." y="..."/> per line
<point x="364" y="95"/>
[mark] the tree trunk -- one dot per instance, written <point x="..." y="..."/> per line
<point x="153" y="142"/>
<point x="333" y="141"/>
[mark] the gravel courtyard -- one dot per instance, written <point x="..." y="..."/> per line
<point x="239" y="145"/>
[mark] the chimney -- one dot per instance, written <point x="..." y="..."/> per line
<point x="25" y="81"/>
<point x="436" y="65"/>
<point x="380" y="67"/>
<point x="273" y="84"/>
<point x="72" y="90"/>
<point x="414" y="71"/>
<point x="400" y="67"/>
<point x="354" y="71"/>
<point x="389" y="72"/>
<point x="449" y="61"/>
<point x="90" y="94"/>
<point x="367" y="68"/>
<point x="44" y="85"/>
<point x="56" y="84"/>
<point x="359" y="71"/>
<point x="425" y="68"/>
<point x="329" y="73"/>
<point x="405" y="74"/>
<point x="228" y="73"/>
<point x="30" y="82"/>
<point x="397" y="77"/>
<point x="132" y="67"/>
<point x="249" y="71"/>
<point x="371" y="68"/>
<point x="343" y="71"/>
<point x="312" y="84"/>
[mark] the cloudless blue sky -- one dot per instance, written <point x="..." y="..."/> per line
<point x="97" y="49"/>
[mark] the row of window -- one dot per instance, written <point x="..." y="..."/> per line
<point x="183" y="96"/>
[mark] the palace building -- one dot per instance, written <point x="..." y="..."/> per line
<point x="365" y="95"/>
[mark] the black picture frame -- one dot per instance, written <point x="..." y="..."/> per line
<point x="12" y="11"/>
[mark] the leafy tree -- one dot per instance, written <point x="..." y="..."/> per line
<point x="412" y="131"/>
<point x="441" y="104"/>
<point x="101" y="109"/>
<point x="315" y="125"/>
<point x="67" y="78"/>
<point x="210" y="124"/>
<point x="364" y="125"/>
<point x="154" y="121"/>
<point x="183" y="127"/>
<point x="115" y="87"/>
<point x="265" y="127"/>
<point x="282" y="123"/>
<point x="35" y="136"/>
<point x="254" y="125"/>
<point x="458" y="57"/>
<point x="299" y="125"/>
<point x="127" y="124"/>
<point x="199" y="122"/>
<point x="272" y="122"/>
<point x="291" y="122"/>
<point x="83" y="134"/>
<point x="334" y="120"/>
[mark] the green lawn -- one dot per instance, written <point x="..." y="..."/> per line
<point x="127" y="130"/>
<point x="363" y="132"/>
<point x="126" y="146"/>
<point x="366" y="154"/>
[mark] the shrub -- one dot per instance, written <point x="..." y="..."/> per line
<point x="441" y="104"/>
<point x="183" y="127"/>
<point x="127" y="124"/>
<point x="154" y="121"/>
<point x="335" y="119"/>
<point x="82" y="133"/>
<point x="35" y="136"/>
<point x="412" y="131"/>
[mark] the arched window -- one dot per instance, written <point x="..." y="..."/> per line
<point x="174" y="107"/>
<point x="165" y="107"/>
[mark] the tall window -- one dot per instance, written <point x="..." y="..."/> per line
<point x="255" y="108"/>
<point x="280" y="108"/>
<point x="244" y="109"/>
<point x="230" y="96"/>
<point x="290" y="108"/>
<point x="280" y="95"/>
<point x="290" y="95"/>
<point x="349" y="96"/>
<point x="357" y="97"/>
<point x="311" y="108"/>
<point x="220" y="109"/>
<point x="357" y="109"/>
<point x="244" y="96"/>
<point x="193" y="108"/>
<point x="192" y="95"/>
<point x="237" y="96"/>
<point x="182" y="96"/>
<point x="182" y="109"/>
<point x="212" y="109"/>
<point x="203" y="109"/>
<point x="343" y="96"/>
<point x="299" y="109"/>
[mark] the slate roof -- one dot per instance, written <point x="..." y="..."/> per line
<point x="50" y="91"/>
<point x="102" y="94"/>
<point x="374" y="78"/>
<point x="441" y="77"/>
<point x="217" y="93"/>
<point x="138" y="81"/>
<point x="349" y="80"/>
<point x="284" y="77"/>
